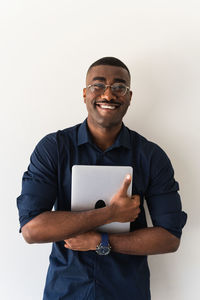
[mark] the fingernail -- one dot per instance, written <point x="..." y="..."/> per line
<point x="128" y="176"/>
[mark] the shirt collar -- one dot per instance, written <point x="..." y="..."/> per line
<point x="83" y="134"/>
<point x="123" y="138"/>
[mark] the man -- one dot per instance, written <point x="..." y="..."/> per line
<point x="76" y="270"/>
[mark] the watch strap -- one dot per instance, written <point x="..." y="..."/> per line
<point x="104" y="239"/>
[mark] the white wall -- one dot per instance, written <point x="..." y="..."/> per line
<point x="46" y="48"/>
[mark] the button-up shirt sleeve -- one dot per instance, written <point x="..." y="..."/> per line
<point x="39" y="183"/>
<point x="162" y="195"/>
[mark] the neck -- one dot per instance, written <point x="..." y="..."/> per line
<point x="104" y="137"/>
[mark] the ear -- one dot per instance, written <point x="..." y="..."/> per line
<point x="131" y="93"/>
<point x="84" y="95"/>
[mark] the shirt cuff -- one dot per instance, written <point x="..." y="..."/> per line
<point x="173" y="222"/>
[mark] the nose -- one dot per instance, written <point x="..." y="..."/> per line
<point x="108" y="95"/>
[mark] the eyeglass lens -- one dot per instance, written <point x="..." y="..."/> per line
<point x="117" y="89"/>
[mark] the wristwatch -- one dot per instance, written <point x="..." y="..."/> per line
<point x="104" y="247"/>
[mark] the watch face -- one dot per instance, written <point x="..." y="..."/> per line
<point x="103" y="250"/>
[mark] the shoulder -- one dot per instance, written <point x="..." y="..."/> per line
<point x="148" y="154"/>
<point x="144" y="146"/>
<point x="52" y="139"/>
<point x="50" y="144"/>
<point x="68" y="133"/>
<point x="152" y="159"/>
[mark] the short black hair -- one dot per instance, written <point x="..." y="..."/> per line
<point x="110" y="61"/>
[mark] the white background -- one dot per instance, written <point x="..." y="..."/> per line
<point x="45" y="50"/>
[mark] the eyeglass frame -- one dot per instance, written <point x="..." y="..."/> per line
<point x="108" y="85"/>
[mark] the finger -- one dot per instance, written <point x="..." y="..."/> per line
<point x="125" y="185"/>
<point x="67" y="244"/>
<point x="136" y="200"/>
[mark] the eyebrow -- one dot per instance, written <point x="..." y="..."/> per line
<point x="104" y="79"/>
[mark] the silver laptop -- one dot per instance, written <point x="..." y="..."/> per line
<point x="93" y="188"/>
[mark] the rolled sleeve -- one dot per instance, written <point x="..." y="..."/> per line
<point x="162" y="195"/>
<point x="39" y="182"/>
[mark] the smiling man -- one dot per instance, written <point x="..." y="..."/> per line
<point x="84" y="263"/>
<point x="107" y="96"/>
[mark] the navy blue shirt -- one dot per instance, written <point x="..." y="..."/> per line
<point x="47" y="184"/>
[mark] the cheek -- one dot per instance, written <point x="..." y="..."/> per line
<point x="89" y="105"/>
<point x="128" y="101"/>
<point x="89" y="101"/>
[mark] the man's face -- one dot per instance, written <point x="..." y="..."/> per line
<point x="106" y="109"/>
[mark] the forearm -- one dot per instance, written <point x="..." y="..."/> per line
<point x="147" y="241"/>
<point x="60" y="225"/>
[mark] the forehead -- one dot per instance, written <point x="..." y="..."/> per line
<point x="109" y="73"/>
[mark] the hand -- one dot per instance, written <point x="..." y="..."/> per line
<point x="125" y="208"/>
<point x="83" y="242"/>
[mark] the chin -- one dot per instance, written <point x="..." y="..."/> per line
<point x="108" y="123"/>
<point x="103" y="121"/>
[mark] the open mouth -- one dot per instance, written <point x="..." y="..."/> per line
<point x="109" y="106"/>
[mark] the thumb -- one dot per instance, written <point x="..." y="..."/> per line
<point x="125" y="185"/>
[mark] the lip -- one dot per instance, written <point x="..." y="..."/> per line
<point x="107" y="106"/>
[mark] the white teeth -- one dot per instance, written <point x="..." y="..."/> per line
<point x="107" y="106"/>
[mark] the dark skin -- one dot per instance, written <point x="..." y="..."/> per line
<point x="54" y="226"/>
<point x="104" y="124"/>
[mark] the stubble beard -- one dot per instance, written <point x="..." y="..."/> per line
<point x="105" y="122"/>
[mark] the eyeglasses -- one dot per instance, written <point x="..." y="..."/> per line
<point x="117" y="89"/>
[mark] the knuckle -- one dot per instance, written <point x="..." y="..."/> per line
<point x="136" y="203"/>
<point x="136" y="199"/>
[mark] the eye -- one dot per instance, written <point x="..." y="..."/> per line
<point x="118" y="87"/>
<point x="98" y="86"/>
